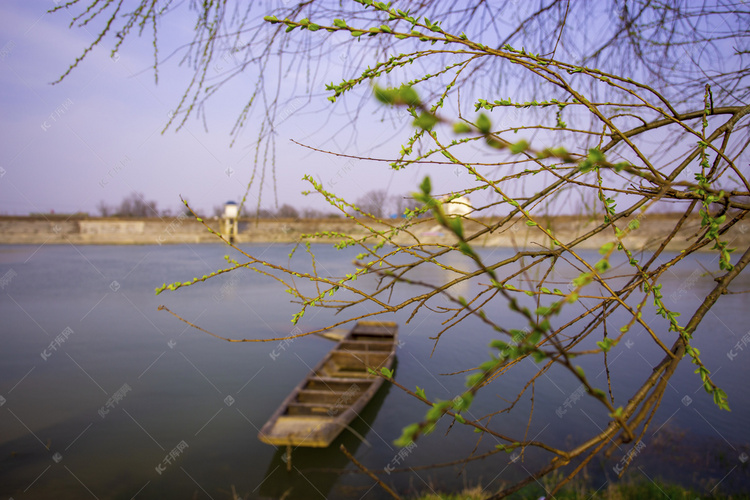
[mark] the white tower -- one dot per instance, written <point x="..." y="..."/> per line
<point x="229" y="220"/>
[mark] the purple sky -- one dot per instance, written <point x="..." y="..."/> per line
<point x="97" y="135"/>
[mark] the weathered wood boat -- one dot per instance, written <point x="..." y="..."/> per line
<point x="336" y="390"/>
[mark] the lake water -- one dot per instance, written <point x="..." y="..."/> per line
<point x="103" y="396"/>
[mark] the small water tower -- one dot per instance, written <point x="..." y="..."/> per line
<point x="229" y="220"/>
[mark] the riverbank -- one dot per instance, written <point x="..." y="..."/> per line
<point x="628" y="490"/>
<point x="650" y="230"/>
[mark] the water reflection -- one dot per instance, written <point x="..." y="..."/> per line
<point x="321" y="467"/>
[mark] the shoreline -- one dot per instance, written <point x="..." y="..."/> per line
<point x="180" y="230"/>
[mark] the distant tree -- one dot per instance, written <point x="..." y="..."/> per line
<point x="374" y="202"/>
<point x="104" y="209"/>
<point x="312" y="213"/>
<point x="135" y="205"/>
<point x="287" y="211"/>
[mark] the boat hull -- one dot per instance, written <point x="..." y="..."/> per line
<point x="336" y="390"/>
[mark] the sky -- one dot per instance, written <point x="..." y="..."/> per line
<point x="97" y="136"/>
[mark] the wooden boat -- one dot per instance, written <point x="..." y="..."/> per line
<point x="336" y="390"/>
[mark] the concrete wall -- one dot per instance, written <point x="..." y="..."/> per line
<point x="26" y="230"/>
<point x="19" y="230"/>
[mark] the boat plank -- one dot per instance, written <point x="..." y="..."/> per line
<point x="336" y="390"/>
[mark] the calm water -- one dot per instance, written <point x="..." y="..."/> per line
<point x="130" y="402"/>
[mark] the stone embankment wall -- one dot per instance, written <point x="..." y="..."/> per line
<point x="105" y="231"/>
<point x="110" y="231"/>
